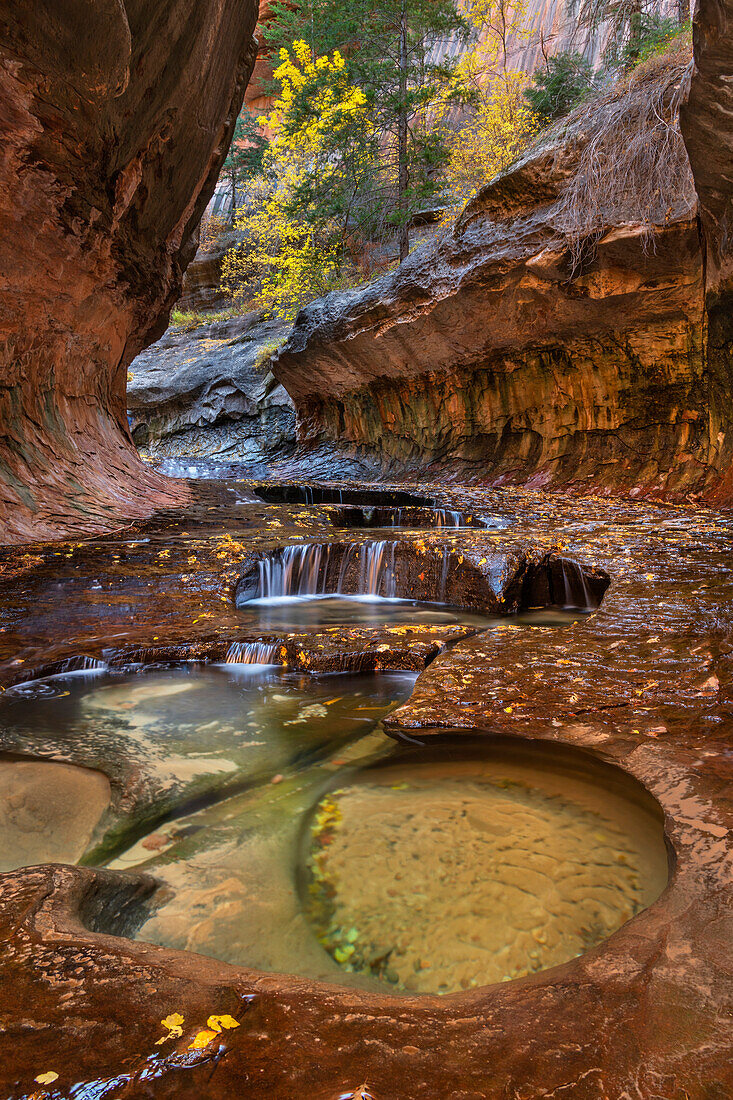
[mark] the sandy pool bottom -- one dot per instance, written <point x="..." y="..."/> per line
<point x="439" y="877"/>
<point x="48" y="811"/>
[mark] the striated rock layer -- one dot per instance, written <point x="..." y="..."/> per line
<point x="210" y="389"/>
<point x="706" y="127"/>
<point x="493" y="354"/>
<point x="115" y="118"/>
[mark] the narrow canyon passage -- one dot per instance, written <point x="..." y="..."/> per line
<point x="366" y="550"/>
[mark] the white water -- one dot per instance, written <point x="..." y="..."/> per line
<point x="251" y="653"/>
<point x="302" y="571"/>
<point x="573" y="576"/>
<point x="402" y="517"/>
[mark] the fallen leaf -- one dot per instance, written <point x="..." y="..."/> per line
<point x="202" y="1039"/>
<point x="174" y="1023"/>
<point x="46" y="1078"/>
<point x="216" y="1023"/>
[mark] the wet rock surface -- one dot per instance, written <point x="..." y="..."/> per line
<point x="209" y="390"/>
<point x="643" y="683"/>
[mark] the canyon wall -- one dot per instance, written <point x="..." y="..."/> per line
<point x="705" y="121"/>
<point x="115" y="118"/>
<point x="496" y="355"/>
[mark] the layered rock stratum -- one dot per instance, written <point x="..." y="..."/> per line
<point x="210" y="389"/>
<point x="521" y="348"/>
<point x="116" y="117"/>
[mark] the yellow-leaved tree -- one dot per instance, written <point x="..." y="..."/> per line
<point x="499" y="123"/>
<point x="302" y="211"/>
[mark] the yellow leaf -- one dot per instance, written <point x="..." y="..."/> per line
<point x="216" y="1023"/>
<point x="174" y="1023"/>
<point x="202" y="1039"/>
<point x="46" y="1078"/>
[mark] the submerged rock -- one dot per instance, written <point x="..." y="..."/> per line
<point x="209" y="390"/>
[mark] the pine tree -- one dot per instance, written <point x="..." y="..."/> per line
<point x="245" y="155"/>
<point x="388" y="45"/>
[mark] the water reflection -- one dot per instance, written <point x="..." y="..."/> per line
<point x="307" y="612"/>
<point x="172" y="737"/>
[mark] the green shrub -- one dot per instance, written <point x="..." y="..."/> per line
<point x="649" y="34"/>
<point x="188" y="318"/>
<point x="560" y="84"/>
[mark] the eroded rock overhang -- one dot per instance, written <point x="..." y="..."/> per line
<point x="494" y="352"/>
<point x="116" y="120"/>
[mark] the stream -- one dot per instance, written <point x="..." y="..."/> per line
<point x="285" y="830"/>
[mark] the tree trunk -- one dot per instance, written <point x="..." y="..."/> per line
<point x="233" y="211"/>
<point x="634" y="33"/>
<point x="402" y="179"/>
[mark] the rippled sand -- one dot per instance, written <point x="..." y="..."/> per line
<point x="441" y="877"/>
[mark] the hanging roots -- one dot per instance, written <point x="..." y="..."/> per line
<point x="634" y="168"/>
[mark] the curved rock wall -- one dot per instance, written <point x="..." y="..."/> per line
<point x="115" y="118"/>
<point x="705" y="121"/>
<point x="489" y="355"/>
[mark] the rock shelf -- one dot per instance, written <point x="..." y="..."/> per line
<point x="643" y="683"/>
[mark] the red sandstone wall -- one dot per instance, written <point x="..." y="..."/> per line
<point x="114" y="120"/>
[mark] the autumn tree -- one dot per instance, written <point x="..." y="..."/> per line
<point x="314" y="190"/>
<point x="500" y="122"/>
<point x="389" y="46"/>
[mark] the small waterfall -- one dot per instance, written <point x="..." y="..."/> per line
<point x="573" y="578"/>
<point x="251" y="653"/>
<point x="444" y="573"/>
<point x="445" y="518"/>
<point x="298" y="571"/>
<point x="377" y="565"/>
<point x="81" y="664"/>
<point x="304" y="571"/>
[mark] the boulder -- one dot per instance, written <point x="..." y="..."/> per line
<point x="209" y="391"/>
<point x="201" y="289"/>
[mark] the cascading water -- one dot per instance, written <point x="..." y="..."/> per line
<point x="446" y="518"/>
<point x="297" y="571"/>
<point x="251" y="653"/>
<point x="407" y="516"/>
<point x="82" y="664"/>
<point x="304" y="571"/>
<point x="573" y="580"/>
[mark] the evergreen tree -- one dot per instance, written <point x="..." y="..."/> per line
<point x="562" y="82"/>
<point x="388" y="45"/>
<point x="245" y="155"/>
